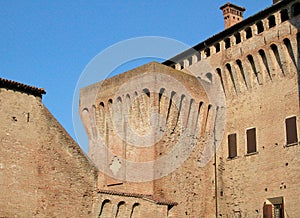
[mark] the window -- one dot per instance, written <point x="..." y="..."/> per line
<point x="248" y="33"/>
<point x="232" y="148"/>
<point x="217" y="47"/>
<point x="284" y="15"/>
<point x="273" y="208"/>
<point x="207" y="52"/>
<point x="291" y="130"/>
<point x="272" y="21"/>
<point x="260" y="27"/>
<point x="237" y="38"/>
<point x="227" y="43"/>
<point x="251" y="140"/>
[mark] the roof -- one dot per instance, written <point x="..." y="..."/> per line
<point x="10" y="84"/>
<point x="228" y="4"/>
<point x="154" y="199"/>
<point x="227" y="32"/>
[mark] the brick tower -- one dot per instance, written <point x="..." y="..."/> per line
<point x="232" y="14"/>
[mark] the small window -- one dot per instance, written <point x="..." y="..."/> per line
<point x="272" y="21"/>
<point x="291" y="130"/>
<point x="237" y="38"/>
<point x="248" y="32"/>
<point x="260" y="27"/>
<point x="284" y="15"/>
<point x="232" y="148"/>
<point x="217" y="47"/>
<point x="227" y="43"/>
<point x="251" y="140"/>
<point x="207" y="52"/>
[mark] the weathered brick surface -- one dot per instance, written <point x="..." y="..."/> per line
<point x="256" y="63"/>
<point x="43" y="172"/>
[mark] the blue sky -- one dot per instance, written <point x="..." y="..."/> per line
<point x="49" y="43"/>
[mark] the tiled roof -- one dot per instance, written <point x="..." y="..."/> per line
<point x="155" y="199"/>
<point x="10" y="84"/>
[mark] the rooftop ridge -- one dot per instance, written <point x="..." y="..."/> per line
<point x="32" y="90"/>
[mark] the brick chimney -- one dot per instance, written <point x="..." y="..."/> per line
<point x="232" y="14"/>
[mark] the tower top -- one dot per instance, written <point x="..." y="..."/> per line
<point x="232" y="14"/>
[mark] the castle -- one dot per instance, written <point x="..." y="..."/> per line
<point x="212" y="132"/>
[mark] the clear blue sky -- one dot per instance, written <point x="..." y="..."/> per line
<point x="48" y="43"/>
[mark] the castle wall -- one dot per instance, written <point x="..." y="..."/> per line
<point x="259" y="76"/>
<point x="43" y="172"/>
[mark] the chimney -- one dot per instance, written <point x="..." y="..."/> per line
<point x="232" y="14"/>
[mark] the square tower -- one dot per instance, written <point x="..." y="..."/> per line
<point x="232" y="14"/>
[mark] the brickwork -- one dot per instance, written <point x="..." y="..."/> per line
<point x="256" y="63"/>
<point x="43" y="172"/>
<point x="170" y="110"/>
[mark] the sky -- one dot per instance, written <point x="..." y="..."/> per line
<point x="49" y="43"/>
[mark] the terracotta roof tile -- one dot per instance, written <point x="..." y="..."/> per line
<point x="10" y="84"/>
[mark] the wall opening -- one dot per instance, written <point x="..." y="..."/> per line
<point x="260" y="27"/>
<point x="291" y="130"/>
<point x="251" y="140"/>
<point x="271" y="21"/>
<point x="217" y="47"/>
<point x="284" y="15"/>
<point x="232" y="146"/>
<point x="227" y="43"/>
<point x="237" y="38"/>
<point x="248" y="33"/>
<point x="207" y="52"/>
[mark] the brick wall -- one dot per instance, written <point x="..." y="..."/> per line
<point x="43" y="172"/>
